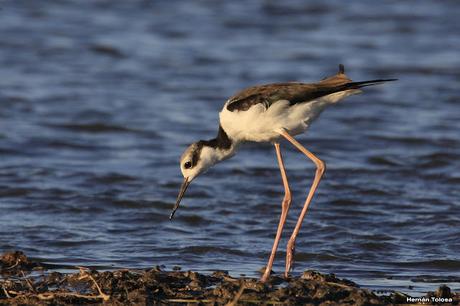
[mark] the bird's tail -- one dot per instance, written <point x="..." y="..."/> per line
<point x="341" y="81"/>
<point x="340" y="86"/>
<point x="357" y="85"/>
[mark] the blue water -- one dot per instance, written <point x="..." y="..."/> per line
<point x="98" y="99"/>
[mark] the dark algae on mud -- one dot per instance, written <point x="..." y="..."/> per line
<point x="26" y="282"/>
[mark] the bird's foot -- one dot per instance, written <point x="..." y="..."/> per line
<point x="289" y="257"/>
<point x="266" y="275"/>
<point x="264" y="278"/>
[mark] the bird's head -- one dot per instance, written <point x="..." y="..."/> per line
<point x="197" y="158"/>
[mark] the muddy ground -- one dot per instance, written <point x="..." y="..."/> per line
<point x="24" y="282"/>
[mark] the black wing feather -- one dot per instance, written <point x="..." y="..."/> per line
<point x="293" y="92"/>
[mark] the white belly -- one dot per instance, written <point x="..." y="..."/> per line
<point x="263" y="125"/>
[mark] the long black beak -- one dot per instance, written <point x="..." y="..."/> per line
<point x="183" y="188"/>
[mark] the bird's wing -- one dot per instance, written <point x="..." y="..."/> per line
<point x="294" y="92"/>
<point x="261" y="94"/>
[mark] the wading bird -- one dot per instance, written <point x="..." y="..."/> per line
<point x="268" y="113"/>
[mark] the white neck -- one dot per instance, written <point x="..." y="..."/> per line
<point x="211" y="155"/>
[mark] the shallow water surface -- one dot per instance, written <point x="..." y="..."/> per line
<point x="99" y="99"/>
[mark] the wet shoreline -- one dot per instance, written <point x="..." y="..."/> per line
<point x="24" y="281"/>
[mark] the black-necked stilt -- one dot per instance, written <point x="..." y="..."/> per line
<point x="267" y="113"/>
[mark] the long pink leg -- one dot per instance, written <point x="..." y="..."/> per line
<point x="320" y="169"/>
<point x="284" y="210"/>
